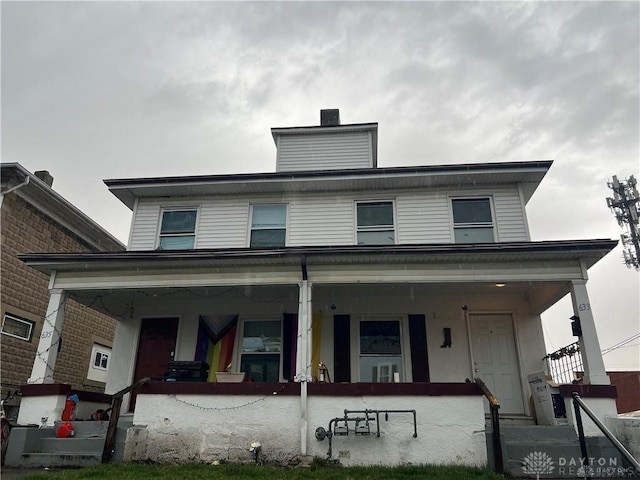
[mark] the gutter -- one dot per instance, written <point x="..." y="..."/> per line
<point x="13" y="189"/>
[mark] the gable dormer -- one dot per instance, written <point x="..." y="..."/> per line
<point x="330" y="146"/>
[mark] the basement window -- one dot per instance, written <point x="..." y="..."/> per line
<point x="17" y="327"/>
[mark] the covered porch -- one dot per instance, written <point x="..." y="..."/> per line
<point x="399" y="330"/>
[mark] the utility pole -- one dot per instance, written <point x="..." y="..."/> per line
<point x="625" y="205"/>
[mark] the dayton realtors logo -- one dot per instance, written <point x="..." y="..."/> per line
<point x="537" y="463"/>
<point x="540" y="463"/>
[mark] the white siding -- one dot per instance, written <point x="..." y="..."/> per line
<point x="321" y="220"/>
<point x="423" y="218"/>
<point x="329" y="219"/>
<point x="324" y="152"/>
<point x="509" y="218"/>
<point x="223" y="224"/>
<point x="144" y="226"/>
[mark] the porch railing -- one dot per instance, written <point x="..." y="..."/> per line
<point x="565" y="364"/>
<point x="116" y="405"/>
<point x="494" y="406"/>
<point x="578" y="404"/>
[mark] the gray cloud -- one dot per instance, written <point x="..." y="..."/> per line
<point x="94" y="90"/>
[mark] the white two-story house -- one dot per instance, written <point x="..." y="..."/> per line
<point x="404" y="282"/>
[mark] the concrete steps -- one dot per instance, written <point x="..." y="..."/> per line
<point x="552" y="452"/>
<point x="39" y="447"/>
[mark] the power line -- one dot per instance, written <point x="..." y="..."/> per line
<point x="620" y="344"/>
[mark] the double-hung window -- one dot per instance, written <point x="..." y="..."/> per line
<point x="268" y="226"/>
<point x="178" y="229"/>
<point x="472" y="220"/>
<point x="375" y="223"/>
<point x="380" y="351"/>
<point x="261" y="350"/>
<point x="14" y="326"/>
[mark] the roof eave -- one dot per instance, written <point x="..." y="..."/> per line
<point x="591" y="251"/>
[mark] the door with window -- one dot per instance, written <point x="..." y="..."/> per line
<point x="495" y="360"/>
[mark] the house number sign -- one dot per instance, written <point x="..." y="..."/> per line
<point x="46" y="334"/>
<point x="584" y="307"/>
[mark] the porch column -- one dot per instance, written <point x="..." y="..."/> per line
<point x="47" y="353"/>
<point x="303" y="358"/>
<point x="303" y="342"/>
<point x="594" y="371"/>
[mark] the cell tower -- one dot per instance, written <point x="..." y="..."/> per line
<point x="625" y="205"/>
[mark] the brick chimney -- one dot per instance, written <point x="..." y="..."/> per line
<point x="330" y="117"/>
<point x="45" y="176"/>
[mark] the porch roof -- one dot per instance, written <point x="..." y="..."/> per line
<point x="587" y="251"/>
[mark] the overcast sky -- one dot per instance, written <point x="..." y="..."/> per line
<point x="116" y="90"/>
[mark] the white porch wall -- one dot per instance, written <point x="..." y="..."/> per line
<point x="422" y="216"/>
<point x="450" y="428"/>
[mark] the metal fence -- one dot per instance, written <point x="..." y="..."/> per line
<point x="565" y="364"/>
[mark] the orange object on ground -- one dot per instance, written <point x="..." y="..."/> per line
<point x="65" y="430"/>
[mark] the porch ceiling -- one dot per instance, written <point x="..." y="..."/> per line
<point x="119" y="303"/>
<point x="540" y="271"/>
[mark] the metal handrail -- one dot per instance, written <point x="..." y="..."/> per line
<point x="578" y="403"/>
<point x="494" y="406"/>
<point x="116" y="404"/>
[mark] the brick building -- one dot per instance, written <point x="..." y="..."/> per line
<point x="37" y="219"/>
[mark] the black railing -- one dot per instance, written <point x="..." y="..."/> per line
<point x="494" y="406"/>
<point x="578" y="404"/>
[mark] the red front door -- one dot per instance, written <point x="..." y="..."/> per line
<point x="155" y="350"/>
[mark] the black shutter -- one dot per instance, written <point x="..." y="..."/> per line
<point x="341" y="348"/>
<point x="289" y="344"/>
<point x="418" y="342"/>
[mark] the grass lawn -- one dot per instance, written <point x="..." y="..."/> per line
<point x="266" y="472"/>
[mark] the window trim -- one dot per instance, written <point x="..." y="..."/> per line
<point x="394" y="227"/>
<point x="97" y="351"/>
<point x="405" y="348"/>
<point x="455" y="226"/>
<point x="189" y="208"/>
<point x="19" y="319"/>
<point x="250" y="222"/>
<point x="238" y="353"/>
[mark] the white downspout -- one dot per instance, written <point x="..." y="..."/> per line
<point x="12" y="189"/>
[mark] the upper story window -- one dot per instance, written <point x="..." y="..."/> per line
<point x="375" y="223"/>
<point x="268" y="226"/>
<point x="17" y="327"/>
<point x="178" y="229"/>
<point x="472" y="220"/>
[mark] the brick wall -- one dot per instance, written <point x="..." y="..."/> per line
<point x="24" y="292"/>
<point x="628" y="386"/>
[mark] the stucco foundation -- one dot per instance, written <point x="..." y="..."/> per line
<point x="202" y="428"/>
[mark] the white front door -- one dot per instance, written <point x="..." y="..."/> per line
<point x="495" y="360"/>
